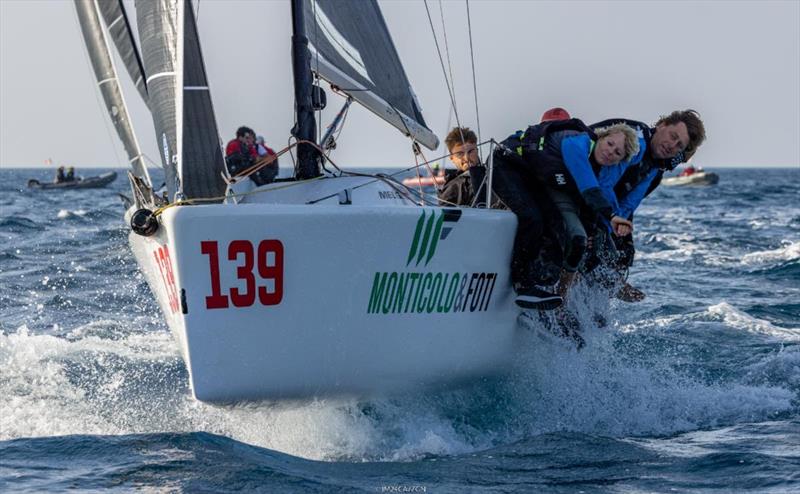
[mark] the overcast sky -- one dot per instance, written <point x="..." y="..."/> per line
<point x="736" y="62"/>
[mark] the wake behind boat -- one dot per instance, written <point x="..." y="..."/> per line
<point x="78" y="183"/>
<point x="329" y="283"/>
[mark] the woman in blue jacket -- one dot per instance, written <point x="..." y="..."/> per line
<point x="558" y="161"/>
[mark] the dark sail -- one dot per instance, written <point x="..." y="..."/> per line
<point x="99" y="54"/>
<point x="351" y="48"/>
<point x="202" y="161"/>
<point x="113" y="13"/>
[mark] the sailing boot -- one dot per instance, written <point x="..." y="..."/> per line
<point x="535" y="297"/>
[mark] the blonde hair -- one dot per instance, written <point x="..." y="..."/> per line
<point x="631" y="138"/>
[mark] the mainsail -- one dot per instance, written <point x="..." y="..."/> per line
<point x="180" y="102"/>
<point x="351" y="48"/>
<point x="99" y="54"/>
<point x="116" y="19"/>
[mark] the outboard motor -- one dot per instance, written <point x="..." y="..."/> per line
<point x="144" y="223"/>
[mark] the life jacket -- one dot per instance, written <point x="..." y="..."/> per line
<point x="638" y="172"/>
<point x="529" y="149"/>
<point x="238" y="157"/>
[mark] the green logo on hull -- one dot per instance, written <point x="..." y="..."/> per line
<point x="426" y="237"/>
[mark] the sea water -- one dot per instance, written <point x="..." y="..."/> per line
<point x="696" y="388"/>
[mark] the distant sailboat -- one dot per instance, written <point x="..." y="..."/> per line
<point x="329" y="283"/>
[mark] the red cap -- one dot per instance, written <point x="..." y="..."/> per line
<point x="556" y="113"/>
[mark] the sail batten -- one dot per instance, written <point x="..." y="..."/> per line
<point x="99" y="52"/>
<point x="351" y="48"/>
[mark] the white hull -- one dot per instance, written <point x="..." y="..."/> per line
<point x="328" y="299"/>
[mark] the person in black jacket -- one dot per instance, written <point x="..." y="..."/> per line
<point x="673" y="140"/>
<point x="463" y="184"/>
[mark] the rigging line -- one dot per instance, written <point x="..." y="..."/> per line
<point x="474" y="79"/>
<point x="441" y="62"/>
<point x="447" y="52"/>
<point x="414" y="144"/>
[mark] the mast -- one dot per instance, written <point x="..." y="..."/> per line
<point x="308" y="165"/>
<point x="96" y="43"/>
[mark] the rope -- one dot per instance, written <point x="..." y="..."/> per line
<point x="265" y="161"/>
<point x="441" y="62"/>
<point x="447" y="52"/>
<point x="474" y="78"/>
<point x="204" y="200"/>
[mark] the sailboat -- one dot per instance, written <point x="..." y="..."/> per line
<point x="330" y="283"/>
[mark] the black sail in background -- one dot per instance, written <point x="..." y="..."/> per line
<point x="157" y="23"/>
<point x="97" y="46"/>
<point x="351" y="48"/>
<point x="116" y="19"/>
<point x="202" y="162"/>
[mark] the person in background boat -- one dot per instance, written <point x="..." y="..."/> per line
<point x="673" y="140"/>
<point x="70" y="177"/>
<point x="268" y="173"/>
<point x="60" y="175"/>
<point x="689" y="170"/>
<point x="466" y="182"/>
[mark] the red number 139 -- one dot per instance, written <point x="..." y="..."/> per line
<point x="269" y="258"/>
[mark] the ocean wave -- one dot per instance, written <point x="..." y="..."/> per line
<point x="738" y="319"/>
<point x="19" y="224"/>
<point x="66" y="213"/>
<point x="789" y="251"/>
